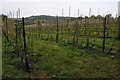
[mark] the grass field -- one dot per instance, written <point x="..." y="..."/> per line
<point x="55" y="60"/>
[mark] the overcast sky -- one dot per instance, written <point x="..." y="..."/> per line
<point x="54" y="7"/>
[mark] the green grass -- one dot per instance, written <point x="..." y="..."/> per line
<point x="9" y="69"/>
<point x="83" y="39"/>
<point x="56" y="60"/>
<point x="9" y="61"/>
<point x="67" y="61"/>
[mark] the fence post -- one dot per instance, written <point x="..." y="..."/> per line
<point x="104" y="31"/>
<point x="24" y="43"/>
<point x="7" y="28"/>
<point x="119" y="27"/>
<point x="119" y="20"/>
<point x="24" y="40"/>
<point x="119" y="34"/>
<point x="57" y="31"/>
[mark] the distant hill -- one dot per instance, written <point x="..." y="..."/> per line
<point x="44" y="18"/>
<point x="40" y="17"/>
<point x="32" y="19"/>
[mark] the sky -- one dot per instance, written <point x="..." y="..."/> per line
<point x="54" y="7"/>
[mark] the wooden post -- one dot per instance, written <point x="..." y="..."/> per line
<point x="24" y="43"/>
<point x="13" y="15"/>
<point x="16" y="37"/>
<point x="85" y="25"/>
<point x="24" y="39"/>
<point x="7" y="29"/>
<point x="18" y="12"/>
<point x="16" y="30"/>
<point x="51" y="30"/>
<point x="104" y="31"/>
<point x="118" y="34"/>
<point x="98" y="25"/>
<point x="62" y="12"/>
<point x="69" y="11"/>
<point x="57" y="30"/>
<point x="78" y="12"/>
<point x="119" y="27"/>
<point x="38" y="29"/>
<point x="41" y="29"/>
<point x="68" y="28"/>
<point x="107" y="29"/>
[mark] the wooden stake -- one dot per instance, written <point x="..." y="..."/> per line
<point x="119" y="27"/>
<point x="57" y="31"/>
<point x="104" y="31"/>
<point x="24" y="41"/>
